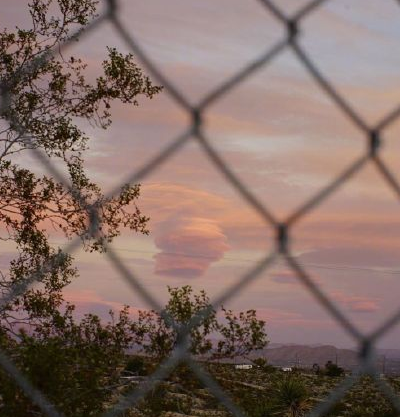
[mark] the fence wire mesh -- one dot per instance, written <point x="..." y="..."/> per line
<point x="373" y="139"/>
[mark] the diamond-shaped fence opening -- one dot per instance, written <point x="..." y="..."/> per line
<point x="361" y="76"/>
<point x="263" y="117"/>
<point x="292" y="25"/>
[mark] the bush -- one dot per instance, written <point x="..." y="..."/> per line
<point x="258" y="407"/>
<point x="160" y="400"/>
<point x="263" y="364"/>
<point x="185" y="377"/>
<point x="153" y="404"/>
<point x="291" y="397"/>
<point x="331" y="369"/>
<point x="136" y="365"/>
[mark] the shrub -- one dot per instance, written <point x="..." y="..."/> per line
<point x="263" y="364"/>
<point x="184" y="376"/>
<point x="291" y="397"/>
<point x="259" y="407"/>
<point x="154" y="402"/>
<point x="331" y="369"/>
<point x="136" y="365"/>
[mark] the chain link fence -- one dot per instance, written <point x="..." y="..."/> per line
<point x="373" y="135"/>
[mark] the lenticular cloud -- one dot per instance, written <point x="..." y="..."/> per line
<point x="188" y="246"/>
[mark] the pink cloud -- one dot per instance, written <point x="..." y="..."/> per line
<point x="285" y="277"/>
<point x="289" y="277"/>
<point x="88" y="301"/>
<point x="276" y="318"/>
<point x="362" y="255"/>
<point x="241" y="225"/>
<point x="281" y="315"/>
<point x="188" y="246"/>
<point x="356" y="304"/>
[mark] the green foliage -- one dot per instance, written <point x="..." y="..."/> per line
<point x="136" y="365"/>
<point x="331" y="369"/>
<point x="239" y="335"/>
<point x="255" y="404"/>
<point x="154" y="402"/>
<point x="370" y="411"/>
<point x="160" y="400"/>
<point x="260" y="362"/>
<point x="158" y="337"/>
<point x="263" y="364"/>
<point x="72" y="362"/>
<point x="261" y="394"/>
<point x="364" y="399"/>
<point x="291" y="397"/>
<point x="46" y="102"/>
<point x="185" y="377"/>
<point x="260" y="408"/>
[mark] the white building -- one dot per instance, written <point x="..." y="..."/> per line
<point x="243" y="366"/>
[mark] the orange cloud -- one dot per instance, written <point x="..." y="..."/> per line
<point x="188" y="246"/>
<point x="167" y="202"/>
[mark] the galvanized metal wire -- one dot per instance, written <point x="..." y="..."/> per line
<point x="373" y="138"/>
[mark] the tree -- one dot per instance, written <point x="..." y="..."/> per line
<point x="157" y="337"/>
<point x="76" y="364"/>
<point x="242" y="334"/>
<point x="72" y="362"/>
<point x="332" y="369"/>
<point x="238" y="334"/>
<point x="46" y="102"/>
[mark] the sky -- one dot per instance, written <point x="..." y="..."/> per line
<point x="281" y="135"/>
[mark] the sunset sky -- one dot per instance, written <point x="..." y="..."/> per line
<point x="280" y="134"/>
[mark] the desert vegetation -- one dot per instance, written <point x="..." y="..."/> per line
<point x="262" y="391"/>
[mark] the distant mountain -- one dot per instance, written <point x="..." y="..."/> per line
<point x="390" y="353"/>
<point x="277" y="345"/>
<point x="304" y="355"/>
<point x="388" y="360"/>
